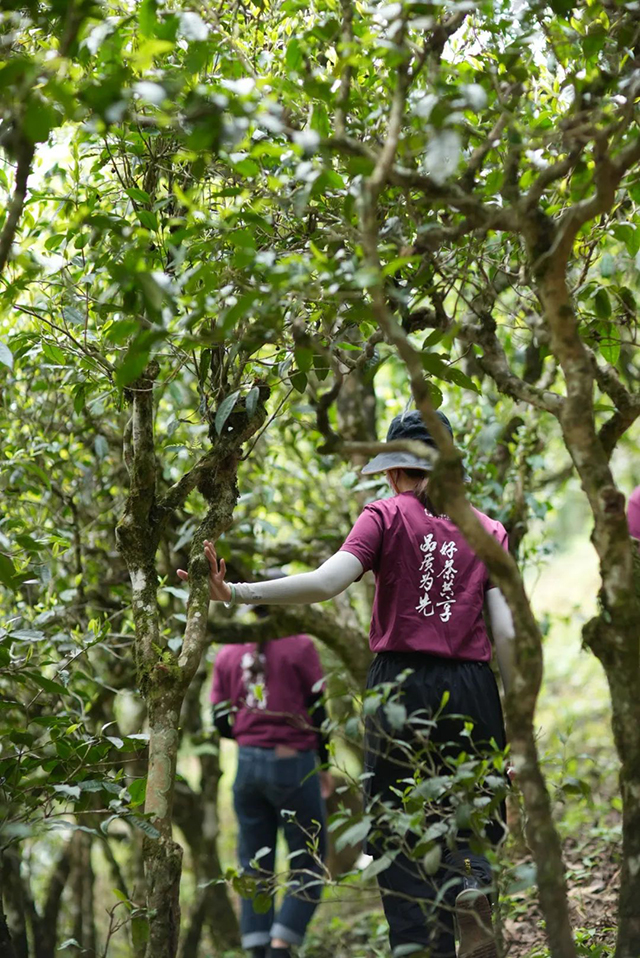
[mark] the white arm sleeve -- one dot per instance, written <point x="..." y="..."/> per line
<point x="331" y="578"/>
<point x="503" y="634"/>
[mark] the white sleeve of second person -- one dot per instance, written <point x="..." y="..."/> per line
<point x="503" y="634"/>
<point x="330" y="579"/>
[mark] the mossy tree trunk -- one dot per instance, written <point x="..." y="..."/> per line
<point x="614" y="634"/>
<point x="196" y="814"/>
<point x="163" y="676"/>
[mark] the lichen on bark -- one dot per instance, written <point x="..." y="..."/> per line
<point x="162" y="678"/>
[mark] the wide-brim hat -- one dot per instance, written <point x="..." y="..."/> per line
<point x="406" y="426"/>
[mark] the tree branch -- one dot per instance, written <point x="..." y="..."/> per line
<point x="177" y="494"/>
<point x="626" y="402"/>
<point x="25" y="153"/>
<point x="494" y="362"/>
<point x="219" y="487"/>
<point x="548" y="176"/>
<point x="323" y="405"/>
<point x="350" y="645"/>
<point x="444" y="195"/>
<point x="489" y="142"/>
<point x="143" y="459"/>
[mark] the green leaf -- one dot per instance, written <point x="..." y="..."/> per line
<point x="147" y="219"/>
<point x="101" y="447"/>
<point x="432" y="859"/>
<point x="299" y="381"/>
<point x="147" y="18"/>
<point x="455" y="375"/>
<point x="293" y="57"/>
<point x="224" y="410"/>
<point x="433" y="363"/>
<point x="396" y="714"/>
<point x="40" y="118"/>
<point x="239" y="310"/>
<point x="602" y="304"/>
<point x="354" y="834"/>
<point x="73" y="316"/>
<point x="6" y="356"/>
<point x="262" y="903"/>
<point x="54" y="241"/>
<point x="610" y="351"/>
<point x="377" y="866"/>
<point x="53" y="353"/>
<point x="607" y="265"/>
<point x="137" y="356"/>
<point x="122" y="897"/>
<point x="397" y="264"/>
<point x="304" y="358"/>
<point x="138" y="791"/>
<point x="7" y="571"/>
<point x="80" y="394"/>
<point x="72" y="791"/>
<point x="433" y="338"/>
<point x="251" y="401"/>
<point x="47" y="685"/>
<point x="145" y="826"/>
<point x="133" y="365"/>
<point x="138" y="195"/>
<point x="243" y="238"/>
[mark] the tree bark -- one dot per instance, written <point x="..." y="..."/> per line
<point x="11" y="898"/>
<point x="163" y="678"/>
<point x="196" y="814"/>
<point x="449" y="497"/>
<point x="46" y="930"/>
<point x="614" y="635"/>
<point x="82" y="879"/>
<point x="163" y="856"/>
<point x="6" y="945"/>
<point x="197" y="817"/>
<point x="624" y="685"/>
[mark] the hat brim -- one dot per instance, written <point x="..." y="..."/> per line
<point x="395" y="460"/>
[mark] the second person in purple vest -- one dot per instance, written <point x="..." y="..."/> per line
<point x="268" y="696"/>
<point x="429" y="635"/>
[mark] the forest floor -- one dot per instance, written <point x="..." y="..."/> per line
<point x="593" y="869"/>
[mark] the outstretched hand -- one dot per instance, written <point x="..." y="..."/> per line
<point x="219" y="591"/>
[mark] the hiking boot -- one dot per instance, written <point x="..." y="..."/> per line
<point x="473" y="916"/>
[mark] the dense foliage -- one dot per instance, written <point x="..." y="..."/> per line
<point x="226" y="234"/>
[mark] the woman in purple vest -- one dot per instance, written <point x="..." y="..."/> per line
<point x="268" y="697"/>
<point x="428" y="632"/>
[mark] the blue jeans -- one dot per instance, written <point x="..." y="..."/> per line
<point x="266" y="790"/>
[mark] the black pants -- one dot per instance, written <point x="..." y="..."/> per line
<point x="401" y="734"/>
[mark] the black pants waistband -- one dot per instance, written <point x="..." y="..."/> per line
<point x="418" y="660"/>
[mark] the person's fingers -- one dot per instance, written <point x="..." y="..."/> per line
<point x="182" y="574"/>
<point x="223" y="568"/>
<point x="210" y="553"/>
